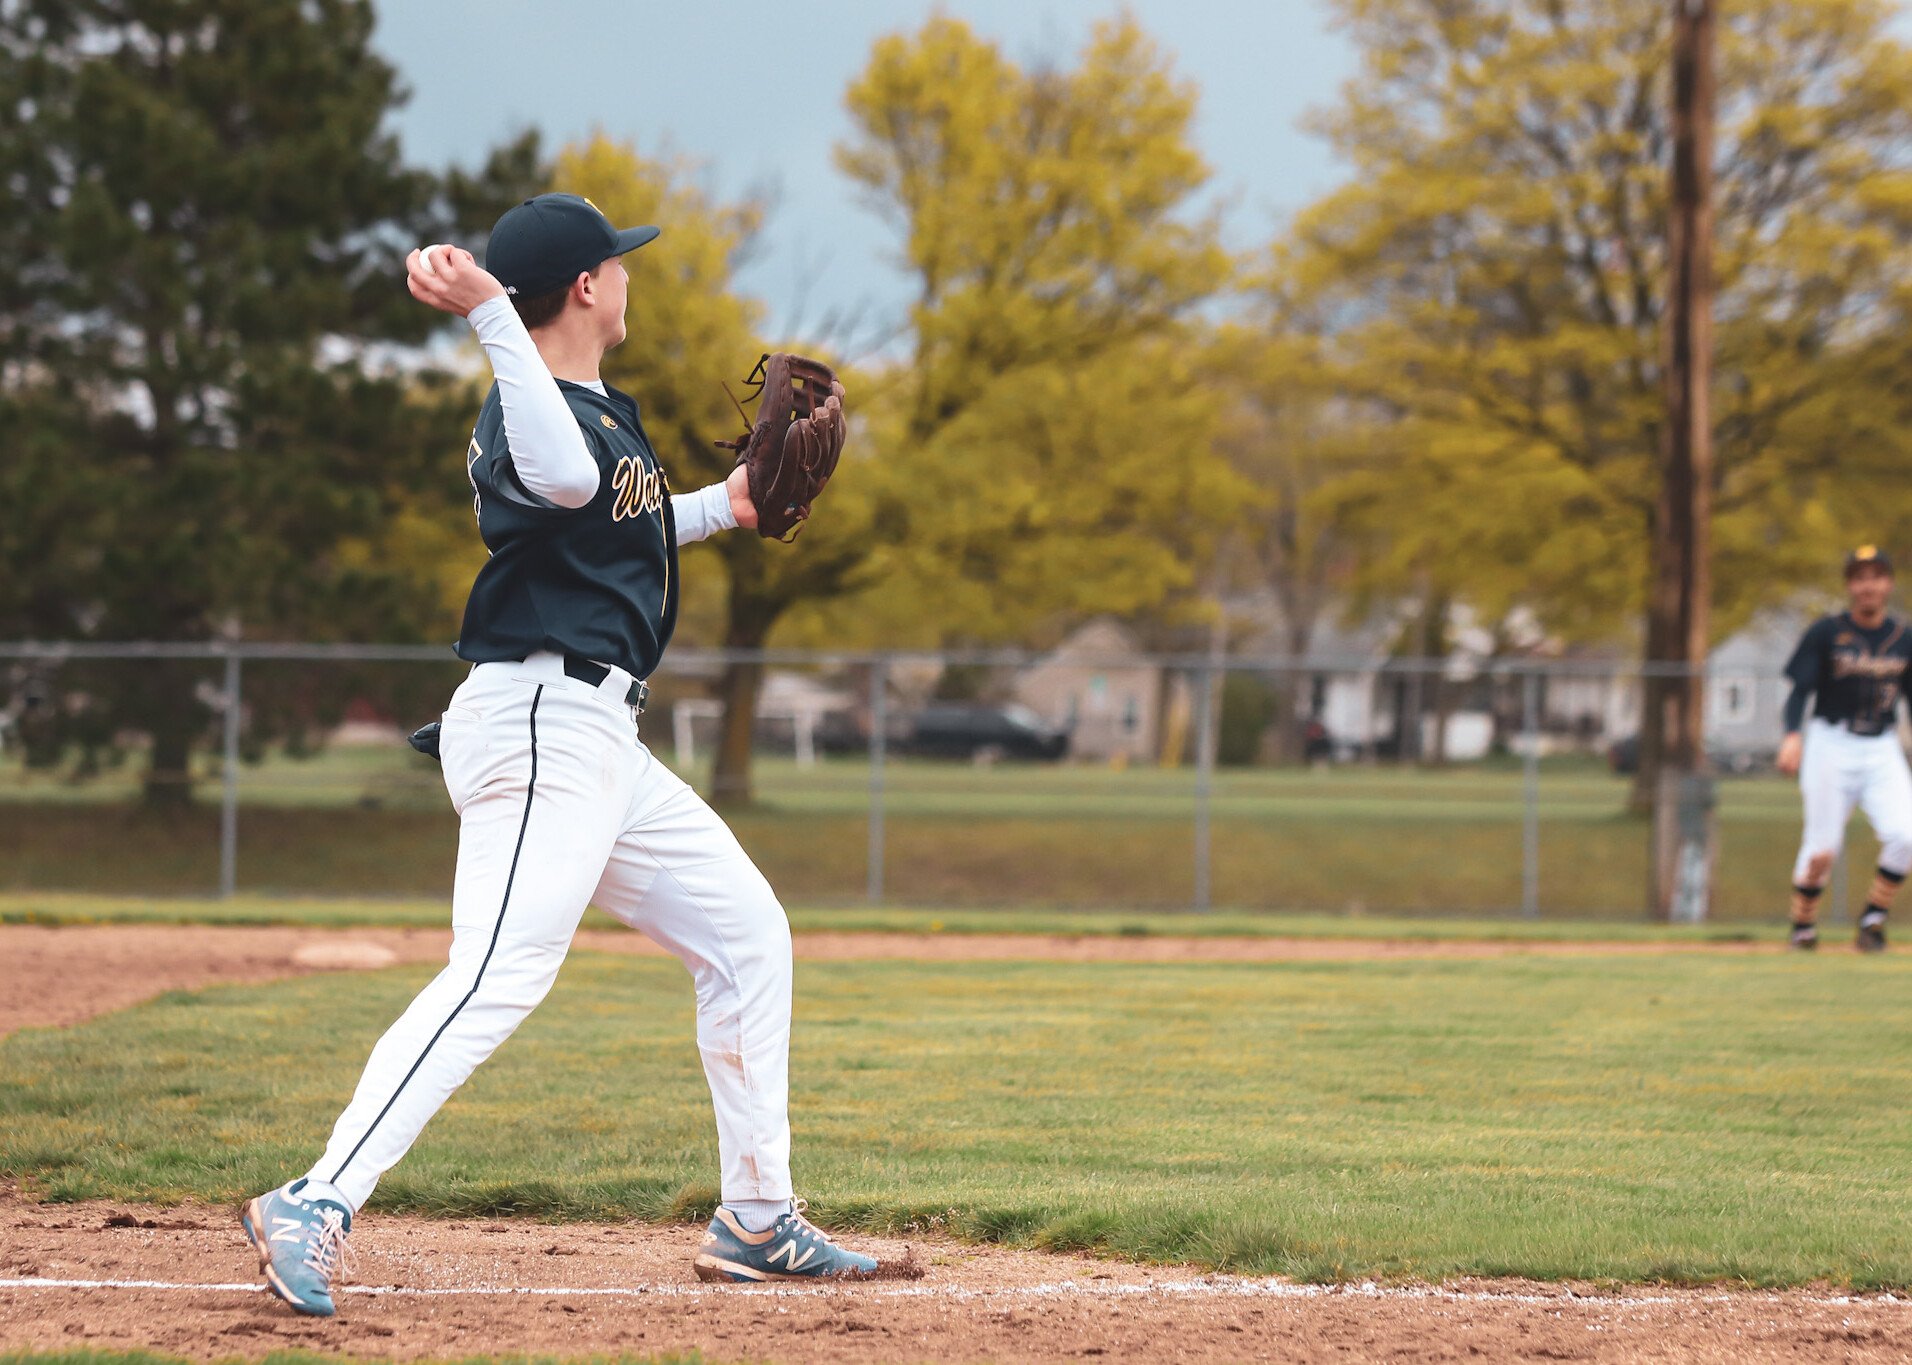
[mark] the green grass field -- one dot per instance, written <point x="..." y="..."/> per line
<point x="374" y="823"/>
<point x="56" y="908"/>
<point x="1684" y="1117"/>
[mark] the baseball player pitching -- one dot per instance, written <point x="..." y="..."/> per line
<point x="1853" y="666"/>
<point x="560" y="803"/>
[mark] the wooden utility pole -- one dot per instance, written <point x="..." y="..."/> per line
<point x="1682" y="580"/>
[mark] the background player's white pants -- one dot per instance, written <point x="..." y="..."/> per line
<point x="560" y="807"/>
<point x="1840" y="770"/>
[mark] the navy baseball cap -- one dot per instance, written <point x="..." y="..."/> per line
<point x="546" y="242"/>
<point x="1868" y="557"/>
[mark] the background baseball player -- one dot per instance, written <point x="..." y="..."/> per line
<point x="1853" y="666"/>
<point x="560" y="804"/>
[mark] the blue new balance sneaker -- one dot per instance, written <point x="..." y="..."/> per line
<point x="301" y="1245"/>
<point x="792" y="1248"/>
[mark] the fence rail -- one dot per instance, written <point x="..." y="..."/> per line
<point x="1485" y="779"/>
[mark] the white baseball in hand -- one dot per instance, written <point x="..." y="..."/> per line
<point x="454" y="285"/>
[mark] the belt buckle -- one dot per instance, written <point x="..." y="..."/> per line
<point x="639" y="694"/>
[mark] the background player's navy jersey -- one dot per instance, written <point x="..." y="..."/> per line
<point x="598" y="580"/>
<point x="1855" y="675"/>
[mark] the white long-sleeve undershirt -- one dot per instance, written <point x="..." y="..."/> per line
<point x="548" y="452"/>
<point x="702" y="513"/>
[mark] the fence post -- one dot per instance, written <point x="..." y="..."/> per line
<point x="879" y="740"/>
<point x="1204" y="774"/>
<point x="229" y="791"/>
<point x="1530" y="815"/>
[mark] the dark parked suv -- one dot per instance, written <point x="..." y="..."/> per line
<point x="970" y="731"/>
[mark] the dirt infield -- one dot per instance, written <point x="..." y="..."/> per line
<point x="180" y="1280"/>
<point x="60" y="975"/>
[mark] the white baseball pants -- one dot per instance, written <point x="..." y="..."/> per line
<point x="562" y="807"/>
<point x="1838" y="771"/>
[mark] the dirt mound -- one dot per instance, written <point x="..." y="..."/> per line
<point x="182" y="1280"/>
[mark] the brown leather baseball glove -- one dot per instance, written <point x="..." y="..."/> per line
<point x="791" y="449"/>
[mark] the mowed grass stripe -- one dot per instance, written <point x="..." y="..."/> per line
<point x="346" y="913"/>
<point x="1409" y="864"/>
<point x="1681" y="1118"/>
<point x="374" y="822"/>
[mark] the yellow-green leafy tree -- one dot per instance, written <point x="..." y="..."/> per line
<point x="1497" y="263"/>
<point x="1056" y="450"/>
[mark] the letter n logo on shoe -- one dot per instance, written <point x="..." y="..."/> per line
<point x="289" y="1229"/>
<point x="791" y="1260"/>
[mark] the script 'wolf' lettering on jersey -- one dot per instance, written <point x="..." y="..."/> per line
<point x="1866" y="666"/>
<point x="640" y="487"/>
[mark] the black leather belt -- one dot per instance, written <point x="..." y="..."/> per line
<point x="592" y="673"/>
<point x="1865" y="729"/>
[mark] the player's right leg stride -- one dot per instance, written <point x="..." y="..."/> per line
<point x="301" y="1245"/>
<point x="792" y="1248"/>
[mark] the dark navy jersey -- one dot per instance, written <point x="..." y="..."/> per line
<point x="1856" y="675"/>
<point x="599" y="580"/>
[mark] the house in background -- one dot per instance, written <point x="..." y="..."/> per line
<point x="1746" y="689"/>
<point x="1595" y="700"/>
<point x="801" y="709"/>
<point x="1591" y="700"/>
<point x="1345" y="685"/>
<point x="1589" y="697"/>
<point x="1111" y="709"/>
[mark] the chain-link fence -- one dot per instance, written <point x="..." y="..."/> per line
<point x="1075" y="779"/>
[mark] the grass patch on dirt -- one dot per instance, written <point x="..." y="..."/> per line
<point x="1683" y="1118"/>
<point x="348" y="913"/>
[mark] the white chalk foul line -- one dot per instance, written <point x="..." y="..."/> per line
<point x="1219" y="1288"/>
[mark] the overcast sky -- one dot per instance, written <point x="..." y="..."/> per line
<point x="730" y="84"/>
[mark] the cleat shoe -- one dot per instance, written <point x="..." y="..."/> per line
<point x="1805" y="937"/>
<point x="792" y="1248"/>
<point x="301" y="1245"/>
<point x="1871" y="934"/>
